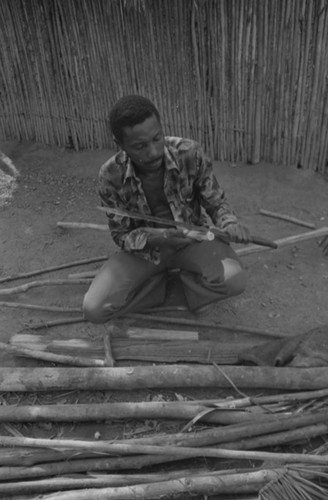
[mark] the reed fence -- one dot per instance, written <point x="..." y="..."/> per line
<point x="247" y="78"/>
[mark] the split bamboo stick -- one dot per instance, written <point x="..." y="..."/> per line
<point x="141" y="377"/>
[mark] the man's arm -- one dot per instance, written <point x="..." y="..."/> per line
<point x="128" y="233"/>
<point x="213" y="199"/>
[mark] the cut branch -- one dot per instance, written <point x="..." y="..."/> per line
<point x="160" y="376"/>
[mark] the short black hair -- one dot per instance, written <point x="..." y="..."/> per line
<point x="128" y="111"/>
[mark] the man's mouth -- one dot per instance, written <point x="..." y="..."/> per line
<point x="155" y="162"/>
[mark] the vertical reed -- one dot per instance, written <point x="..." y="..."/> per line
<point x="246" y="78"/>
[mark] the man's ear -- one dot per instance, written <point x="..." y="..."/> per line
<point x="117" y="143"/>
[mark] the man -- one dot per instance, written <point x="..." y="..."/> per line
<point x="170" y="178"/>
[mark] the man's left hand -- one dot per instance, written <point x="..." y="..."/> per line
<point x="238" y="233"/>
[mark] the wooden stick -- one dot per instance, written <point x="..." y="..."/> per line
<point x="161" y="334"/>
<point x="196" y="484"/>
<point x="51" y="357"/>
<point x="82" y="225"/>
<point x="178" y="451"/>
<point x="35" y="307"/>
<point x="34" y="284"/>
<point x="171" y="321"/>
<point x="70" y="465"/>
<point x="109" y="358"/>
<point x="160" y="376"/>
<point x="203" y="324"/>
<point x="288" y="218"/>
<point x="99" y="481"/>
<point x="57" y="322"/>
<point x="158" y="220"/>
<point x="236" y="432"/>
<point x="116" y="411"/>
<point x="85" y="274"/>
<point x="289" y="240"/>
<point x="53" y="268"/>
<point x="278" y="438"/>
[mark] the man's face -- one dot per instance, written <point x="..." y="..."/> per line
<point x="144" y="144"/>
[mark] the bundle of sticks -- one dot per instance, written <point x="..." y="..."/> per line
<point x="236" y="429"/>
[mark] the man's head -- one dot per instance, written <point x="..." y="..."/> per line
<point x="136" y="127"/>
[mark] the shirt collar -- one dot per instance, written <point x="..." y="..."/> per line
<point x="170" y="163"/>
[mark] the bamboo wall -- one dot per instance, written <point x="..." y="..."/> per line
<point x="247" y="78"/>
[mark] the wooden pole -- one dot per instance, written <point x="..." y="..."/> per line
<point x="204" y="485"/>
<point x="289" y="240"/>
<point x="33" y="284"/>
<point x="37" y="272"/>
<point x="102" y="481"/>
<point x="50" y="357"/>
<point x="116" y="411"/>
<point x="287" y="218"/>
<point x="178" y="451"/>
<point x="160" y="376"/>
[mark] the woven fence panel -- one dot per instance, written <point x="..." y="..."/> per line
<point x="247" y="78"/>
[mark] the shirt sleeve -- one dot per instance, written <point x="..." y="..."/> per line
<point x="211" y="194"/>
<point x="125" y="231"/>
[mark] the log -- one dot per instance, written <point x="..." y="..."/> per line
<point x="161" y="376"/>
<point x="289" y="240"/>
<point x="287" y="218"/>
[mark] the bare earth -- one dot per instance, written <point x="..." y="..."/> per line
<point x="287" y="289"/>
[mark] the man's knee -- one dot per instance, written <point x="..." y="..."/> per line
<point x="92" y="310"/>
<point x="234" y="277"/>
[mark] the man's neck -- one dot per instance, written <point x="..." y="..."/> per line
<point x="147" y="172"/>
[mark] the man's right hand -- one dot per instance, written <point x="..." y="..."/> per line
<point x="173" y="238"/>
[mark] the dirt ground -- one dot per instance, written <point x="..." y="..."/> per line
<point x="287" y="288"/>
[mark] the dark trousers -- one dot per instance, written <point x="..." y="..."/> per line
<point x="209" y="271"/>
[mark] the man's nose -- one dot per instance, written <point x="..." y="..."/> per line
<point x="153" y="152"/>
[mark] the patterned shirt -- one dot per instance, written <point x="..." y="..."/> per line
<point x="191" y="189"/>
